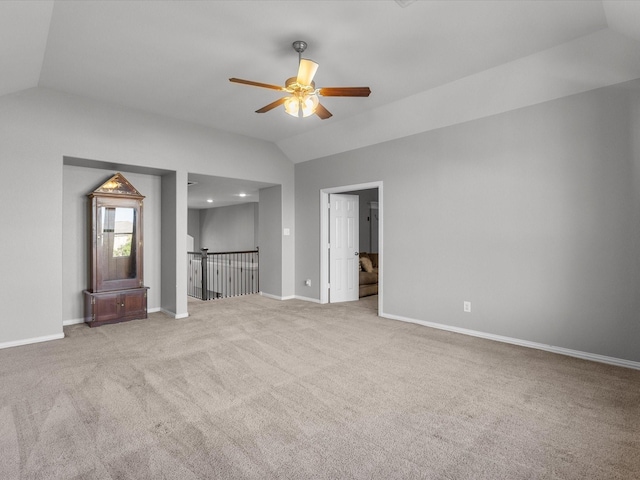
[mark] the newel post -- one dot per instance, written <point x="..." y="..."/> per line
<point x="205" y="276"/>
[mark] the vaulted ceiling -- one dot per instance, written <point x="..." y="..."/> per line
<point x="429" y="64"/>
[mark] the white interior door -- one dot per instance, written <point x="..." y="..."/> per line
<point x="343" y="247"/>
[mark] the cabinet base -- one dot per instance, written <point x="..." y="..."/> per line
<point x="115" y="306"/>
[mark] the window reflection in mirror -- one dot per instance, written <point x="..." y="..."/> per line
<point x="123" y="232"/>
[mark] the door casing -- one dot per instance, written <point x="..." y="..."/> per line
<point x="324" y="237"/>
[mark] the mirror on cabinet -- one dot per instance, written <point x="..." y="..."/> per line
<point x="116" y="235"/>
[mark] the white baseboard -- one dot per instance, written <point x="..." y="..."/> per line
<point x="176" y="316"/>
<point x="276" y="297"/>
<point x="28" y="341"/>
<point x="307" y="299"/>
<point x="73" y="321"/>
<point x="268" y="295"/>
<point x="594" y="357"/>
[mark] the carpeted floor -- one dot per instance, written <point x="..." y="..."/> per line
<point x="256" y="388"/>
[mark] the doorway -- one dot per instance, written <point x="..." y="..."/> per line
<point x="325" y="235"/>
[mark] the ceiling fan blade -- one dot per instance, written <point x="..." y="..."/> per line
<point x="344" y="91"/>
<point x="272" y="105"/>
<point x="322" y="112"/>
<point x="257" y="84"/>
<point x="306" y="71"/>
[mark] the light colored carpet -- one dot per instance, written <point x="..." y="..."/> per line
<point x="256" y="388"/>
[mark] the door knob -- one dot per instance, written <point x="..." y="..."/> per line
<point x="357" y="253"/>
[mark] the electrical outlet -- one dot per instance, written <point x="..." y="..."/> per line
<point x="467" y="306"/>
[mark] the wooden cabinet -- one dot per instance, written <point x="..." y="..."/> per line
<point x="117" y="292"/>
<point x="115" y="306"/>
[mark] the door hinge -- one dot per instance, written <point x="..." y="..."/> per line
<point x="93" y="300"/>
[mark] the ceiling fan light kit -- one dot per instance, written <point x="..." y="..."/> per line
<point x="303" y="95"/>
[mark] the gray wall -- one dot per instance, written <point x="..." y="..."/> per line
<point x="78" y="182"/>
<point x="230" y="228"/>
<point x="270" y="241"/>
<point x="532" y="215"/>
<point x="171" y="253"/>
<point x="39" y="128"/>
<point x="193" y="227"/>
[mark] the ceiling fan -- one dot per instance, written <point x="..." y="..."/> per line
<point x="303" y="94"/>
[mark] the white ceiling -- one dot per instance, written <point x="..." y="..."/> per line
<point x="429" y="64"/>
